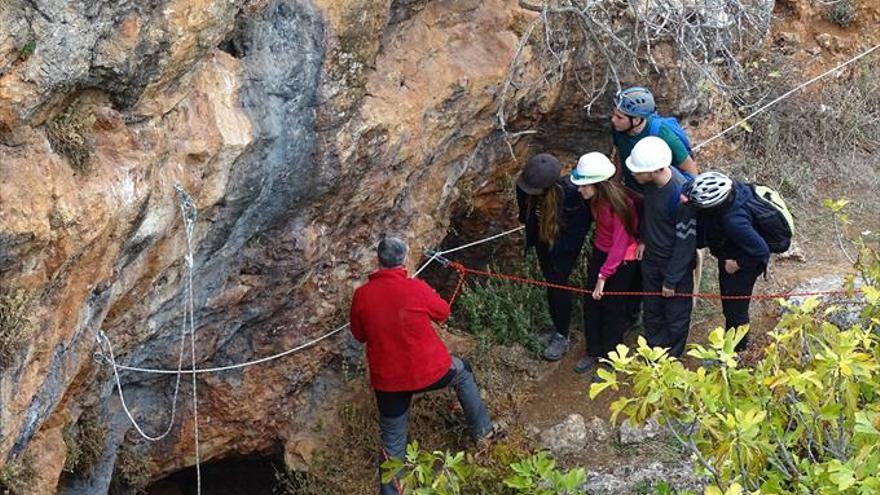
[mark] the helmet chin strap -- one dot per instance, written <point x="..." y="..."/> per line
<point x="632" y="125"/>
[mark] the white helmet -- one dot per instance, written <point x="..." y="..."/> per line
<point x="709" y="189"/>
<point x="648" y="155"/>
<point x="592" y="168"/>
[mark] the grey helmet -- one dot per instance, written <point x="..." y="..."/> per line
<point x="635" y="102"/>
<point x="709" y="189"/>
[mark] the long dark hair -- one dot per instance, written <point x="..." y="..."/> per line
<point x="615" y="195"/>
<point x="549" y="221"/>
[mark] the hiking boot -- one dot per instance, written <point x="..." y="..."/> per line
<point x="557" y="347"/>
<point x="495" y="433"/>
<point x="586" y="364"/>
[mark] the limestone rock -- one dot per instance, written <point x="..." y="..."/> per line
<point x="629" y="478"/>
<point x="567" y="437"/>
<point x="598" y="430"/>
<point x="631" y="433"/>
<point x="849" y="309"/>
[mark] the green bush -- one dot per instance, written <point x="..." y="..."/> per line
<point x="504" y="312"/>
<point x="804" y="420"/>
<point x="444" y="473"/>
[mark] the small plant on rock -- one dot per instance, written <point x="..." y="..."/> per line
<point x="70" y="135"/>
<point x="842" y="12"/>
<point x="17" y="475"/>
<point x="133" y="469"/>
<point x="27" y="50"/>
<point x="15" y="324"/>
<point x="85" y="442"/>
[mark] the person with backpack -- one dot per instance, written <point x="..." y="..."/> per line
<point x="556" y="220"/>
<point x="728" y="214"/>
<point x="392" y="314"/>
<point x="668" y="235"/>
<point x="634" y="118"/>
<point x="613" y="264"/>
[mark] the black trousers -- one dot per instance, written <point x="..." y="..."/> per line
<point x="557" y="269"/>
<point x="667" y="320"/>
<point x="741" y="283"/>
<point x="606" y="320"/>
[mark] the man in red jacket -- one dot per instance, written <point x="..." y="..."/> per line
<point x="392" y="314"/>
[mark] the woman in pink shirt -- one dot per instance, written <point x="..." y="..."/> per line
<point x="613" y="266"/>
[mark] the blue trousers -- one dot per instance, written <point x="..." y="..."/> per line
<point x="394" y="412"/>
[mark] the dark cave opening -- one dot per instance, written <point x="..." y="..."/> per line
<point x="254" y="475"/>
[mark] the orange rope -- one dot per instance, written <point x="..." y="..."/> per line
<point x="463" y="270"/>
<point x="461" y="275"/>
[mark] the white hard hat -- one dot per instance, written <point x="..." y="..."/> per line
<point x="592" y="168"/>
<point x="710" y="189"/>
<point x="648" y="155"/>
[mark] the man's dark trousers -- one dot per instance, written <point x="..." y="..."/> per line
<point x="741" y="283"/>
<point x="666" y="319"/>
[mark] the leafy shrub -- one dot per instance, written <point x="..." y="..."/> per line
<point x="538" y="475"/>
<point x="503" y="312"/>
<point x="806" y="419"/>
<point x="444" y="473"/>
<point x="15" y="324"/>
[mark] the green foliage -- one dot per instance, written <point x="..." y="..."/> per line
<point x="17" y="475"/>
<point x="432" y="473"/>
<point x="85" y="442"/>
<point x="503" y="312"/>
<point x="15" y="324"/>
<point x="805" y="420"/>
<point x="133" y="469"/>
<point x="70" y="135"/>
<point x="27" y="50"/>
<point x="443" y="473"/>
<point x="538" y="475"/>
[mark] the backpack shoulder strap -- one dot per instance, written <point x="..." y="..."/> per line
<point x="654" y="125"/>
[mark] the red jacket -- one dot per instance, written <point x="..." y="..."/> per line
<point x="392" y="314"/>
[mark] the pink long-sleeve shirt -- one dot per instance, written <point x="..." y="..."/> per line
<point x="611" y="237"/>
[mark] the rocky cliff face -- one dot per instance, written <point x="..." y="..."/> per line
<point x="301" y="129"/>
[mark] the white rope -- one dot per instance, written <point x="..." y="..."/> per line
<point x="487" y="239"/>
<point x="786" y="95"/>
<point x="189" y="214"/>
<point x="234" y="366"/>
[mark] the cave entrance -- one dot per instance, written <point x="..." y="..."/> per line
<point x="254" y="475"/>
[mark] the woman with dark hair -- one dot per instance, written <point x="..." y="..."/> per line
<point x="557" y="219"/>
<point x="613" y="264"/>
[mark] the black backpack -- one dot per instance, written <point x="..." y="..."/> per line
<point x="771" y="217"/>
